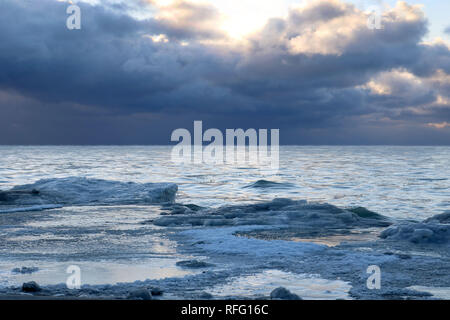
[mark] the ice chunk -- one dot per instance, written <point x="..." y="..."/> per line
<point x="279" y="212"/>
<point x="282" y="293"/>
<point x="440" y="218"/>
<point x="84" y="191"/>
<point x="364" y="213"/>
<point x="31" y="286"/>
<point x="140" y="294"/>
<point x="194" y="264"/>
<point x="418" y="233"/>
<point x="434" y="230"/>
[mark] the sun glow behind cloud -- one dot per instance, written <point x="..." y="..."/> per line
<point x="240" y="17"/>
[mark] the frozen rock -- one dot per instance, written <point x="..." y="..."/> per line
<point x="205" y="296"/>
<point x="440" y="218"/>
<point x="364" y="213"/>
<point x="282" y="293"/>
<point x="194" y="264"/>
<point x="434" y="230"/>
<point x="140" y="294"/>
<point x="296" y="214"/>
<point x="12" y="195"/>
<point x="155" y="291"/>
<point x="31" y="287"/>
<point x="25" y="270"/>
<point x="433" y="233"/>
<point x="175" y="209"/>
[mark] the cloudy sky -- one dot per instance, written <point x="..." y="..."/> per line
<point x="139" y="69"/>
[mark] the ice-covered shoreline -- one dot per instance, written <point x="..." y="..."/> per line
<point x="237" y="241"/>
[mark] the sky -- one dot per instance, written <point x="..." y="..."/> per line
<point x="139" y="69"/>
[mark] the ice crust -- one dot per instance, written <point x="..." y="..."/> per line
<point x="213" y="236"/>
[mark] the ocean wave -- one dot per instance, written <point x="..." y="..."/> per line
<point x="84" y="191"/>
<point x="265" y="184"/>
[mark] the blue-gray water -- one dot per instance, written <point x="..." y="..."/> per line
<point x="402" y="182"/>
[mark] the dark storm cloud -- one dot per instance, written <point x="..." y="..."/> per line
<point x="110" y="62"/>
<point x="111" y="83"/>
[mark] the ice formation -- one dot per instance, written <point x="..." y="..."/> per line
<point x="278" y="212"/>
<point x="424" y="232"/>
<point x="84" y="191"/>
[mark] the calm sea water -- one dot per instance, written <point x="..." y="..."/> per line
<point x="402" y="182"/>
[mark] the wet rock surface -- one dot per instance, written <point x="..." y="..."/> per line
<point x="25" y="270"/>
<point x="194" y="264"/>
<point x="140" y="294"/>
<point x="31" y="286"/>
<point x="281" y="293"/>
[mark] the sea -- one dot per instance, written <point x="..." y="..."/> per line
<point x="100" y="201"/>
